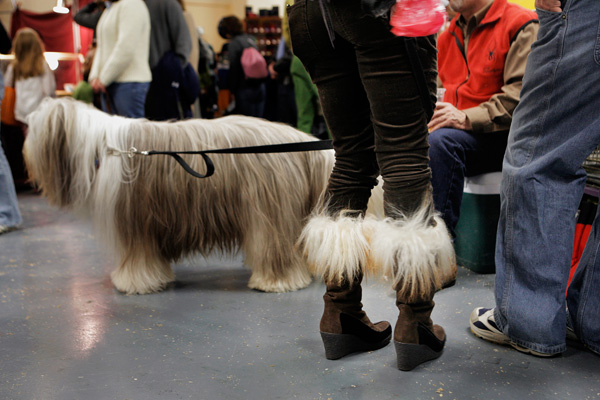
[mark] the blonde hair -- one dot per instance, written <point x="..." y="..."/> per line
<point x="29" y="54"/>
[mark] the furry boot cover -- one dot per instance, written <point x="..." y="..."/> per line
<point x="335" y="247"/>
<point x="415" y="252"/>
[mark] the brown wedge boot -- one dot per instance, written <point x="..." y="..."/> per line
<point x="345" y="327"/>
<point x="416" y="338"/>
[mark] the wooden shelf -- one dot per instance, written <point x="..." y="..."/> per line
<point x="267" y="31"/>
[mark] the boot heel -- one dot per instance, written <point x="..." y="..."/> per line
<point x="411" y="355"/>
<point x="339" y="345"/>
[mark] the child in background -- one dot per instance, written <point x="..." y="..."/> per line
<point x="29" y="73"/>
<point x="33" y="81"/>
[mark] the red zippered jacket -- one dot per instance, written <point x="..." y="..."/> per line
<point x="471" y="79"/>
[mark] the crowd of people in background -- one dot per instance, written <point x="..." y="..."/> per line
<point x="148" y="59"/>
<point x="171" y="72"/>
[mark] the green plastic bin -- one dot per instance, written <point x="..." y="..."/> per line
<point x="475" y="241"/>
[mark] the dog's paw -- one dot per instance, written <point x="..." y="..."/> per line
<point x="279" y="285"/>
<point x="139" y="283"/>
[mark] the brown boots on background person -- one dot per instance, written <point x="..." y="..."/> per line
<point x="416" y="253"/>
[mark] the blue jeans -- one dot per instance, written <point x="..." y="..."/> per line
<point x="9" y="208"/>
<point x="127" y="99"/>
<point x="455" y="154"/>
<point x="555" y="127"/>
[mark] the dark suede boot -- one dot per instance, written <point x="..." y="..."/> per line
<point x="416" y="338"/>
<point x="345" y="327"/>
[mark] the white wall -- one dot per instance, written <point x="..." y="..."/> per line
<point x="208" y="13"/>
<point x="266" y="4"/>
<point x="37" y="6"/>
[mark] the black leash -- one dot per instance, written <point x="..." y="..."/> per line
<point x="210" y="167"/>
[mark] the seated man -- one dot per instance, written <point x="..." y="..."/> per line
<point x="482" y="57"/>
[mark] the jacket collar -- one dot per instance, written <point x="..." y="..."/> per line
<point x="494" y="14"/>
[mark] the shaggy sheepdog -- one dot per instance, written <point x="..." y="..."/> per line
<point x="153" y="213"/>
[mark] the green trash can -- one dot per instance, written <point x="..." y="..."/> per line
<point x="475" y="241"/>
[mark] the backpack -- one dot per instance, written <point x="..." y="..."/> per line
<point x="254" y="64"/>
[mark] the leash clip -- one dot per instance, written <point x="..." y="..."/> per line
<point x="133" y="152"/>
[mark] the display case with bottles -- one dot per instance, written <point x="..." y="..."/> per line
<point x="267" y="30"/>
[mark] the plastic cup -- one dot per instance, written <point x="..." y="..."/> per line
<point x="440" y="94"/>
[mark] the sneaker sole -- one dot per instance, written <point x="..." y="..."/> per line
<point x="503" y="340"/>
<point x="486" y="334"/>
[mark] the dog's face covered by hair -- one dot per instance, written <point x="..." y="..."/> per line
<point x="153" y="213"/>
<point x="49" y="153"/>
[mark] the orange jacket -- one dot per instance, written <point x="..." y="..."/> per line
<point x="471" y="79"/>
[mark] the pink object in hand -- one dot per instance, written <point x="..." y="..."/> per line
<point x="415" y="18"/>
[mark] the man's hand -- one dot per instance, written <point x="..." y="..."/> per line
<point x="548" y="5"/>
<point x="448" y="116"/>
<point x="97" y="86"/>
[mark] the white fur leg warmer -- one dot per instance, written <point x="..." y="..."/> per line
<point x="417" y="256"/>
<point x="335" y="248"/>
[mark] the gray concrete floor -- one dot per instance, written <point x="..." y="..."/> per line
<point x="65" y="333"/>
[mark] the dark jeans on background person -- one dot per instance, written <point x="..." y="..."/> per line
<point x="286" y="104"/>
<point x="455" y="154"/>
<point x="13" y="139"/>
<point x="251" y="100"/>
<point x="371" y="102"/>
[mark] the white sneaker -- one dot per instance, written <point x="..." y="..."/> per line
<point x="483" y="325"/>
<point x="6" y="228"/>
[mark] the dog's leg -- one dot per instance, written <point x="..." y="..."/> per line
<point x="276" y="265"/>
<point x="142" y="274"/>
<point x="293" y="276"/>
